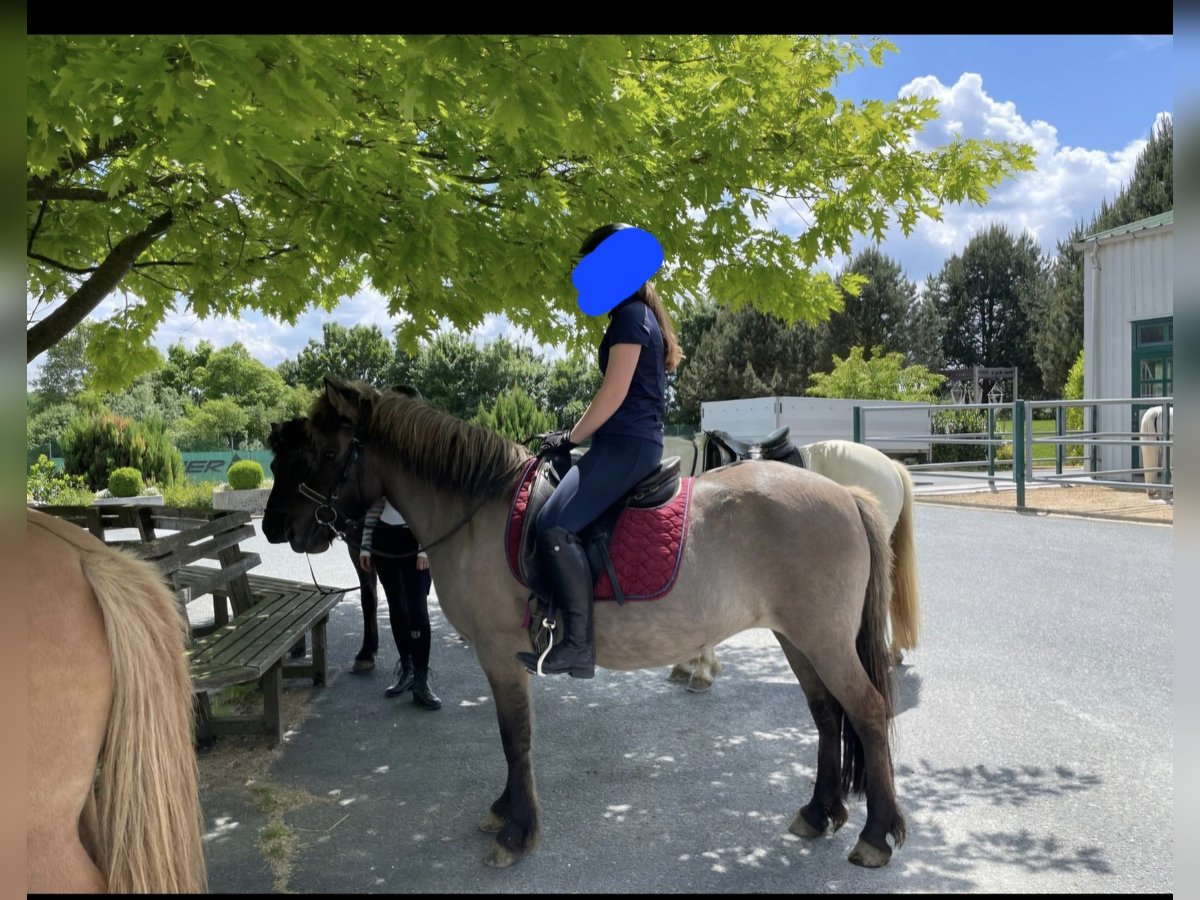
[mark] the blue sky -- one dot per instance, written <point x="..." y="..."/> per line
<point x="1087" y="103"/>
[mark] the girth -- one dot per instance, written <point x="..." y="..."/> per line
<point x="657" y="488"/>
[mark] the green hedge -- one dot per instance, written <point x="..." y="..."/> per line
<point x="245" y="475"/>
<point x="191" y="494"/>
<point x="959" y="421"/>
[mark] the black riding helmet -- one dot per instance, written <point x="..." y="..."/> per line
<point x="593" y="240"/>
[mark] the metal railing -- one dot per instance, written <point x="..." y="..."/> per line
<point x="1023" y="439"/>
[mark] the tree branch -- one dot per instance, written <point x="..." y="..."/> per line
<point x="36" y="226"/>
<point x="92" y="152"/>
<point x="48" y="332"/>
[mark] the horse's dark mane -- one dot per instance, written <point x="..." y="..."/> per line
<point x="449" y="453"/>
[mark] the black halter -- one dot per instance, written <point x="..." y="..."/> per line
<point x="328" y="503"/>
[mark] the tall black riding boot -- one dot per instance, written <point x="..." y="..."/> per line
<point x="565" y="565"/>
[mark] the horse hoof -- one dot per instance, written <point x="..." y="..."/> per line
<point x="362" y="665"/>
<point x="698" y="685"/>
<point x="499" y="857"/>
<point x="491" y="823"/>
<point x="680" y="673"/>
<point x="801" y="828"/>
<point x="869" y="856"/>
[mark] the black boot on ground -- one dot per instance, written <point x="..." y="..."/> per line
<point x="422" y="695"/>
<point x="404" y="677"/>
<point x="564" y="563"/>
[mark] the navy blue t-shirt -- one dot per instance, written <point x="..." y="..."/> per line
<point x="641" y="413"/>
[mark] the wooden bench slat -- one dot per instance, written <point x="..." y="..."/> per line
<point x="263" y="634"/>
<point x="197" y="581"/>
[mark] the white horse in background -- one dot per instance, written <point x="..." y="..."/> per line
<point x="1151" y="433"/>
<point x="858" y="465"/>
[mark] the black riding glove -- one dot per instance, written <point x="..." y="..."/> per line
<point x="557" y="442"/>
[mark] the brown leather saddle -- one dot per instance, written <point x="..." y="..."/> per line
<point x="656" y="489"/>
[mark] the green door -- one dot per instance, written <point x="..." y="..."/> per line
<point x="1152" y="368"/>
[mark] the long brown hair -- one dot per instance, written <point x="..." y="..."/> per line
<point x="672" y="353"/>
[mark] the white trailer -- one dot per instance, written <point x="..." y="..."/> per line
<point x="812" y="419"/>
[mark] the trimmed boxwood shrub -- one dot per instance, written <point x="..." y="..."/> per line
<point x="125" y="482"/>
<point x="245" y="475"/>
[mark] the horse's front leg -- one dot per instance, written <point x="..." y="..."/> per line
<point x="515" y="815"/>
<point x="364" y="661"/>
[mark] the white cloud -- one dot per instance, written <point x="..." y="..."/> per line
<point x="1066" y="187"/>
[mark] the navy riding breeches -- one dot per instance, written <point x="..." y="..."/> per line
<point x="607" y="472"/>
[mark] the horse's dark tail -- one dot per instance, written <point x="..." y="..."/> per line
<point x="872" y="641"/>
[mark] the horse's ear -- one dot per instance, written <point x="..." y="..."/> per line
<point x="345" y="399"/>
<point x="275" y="428"/>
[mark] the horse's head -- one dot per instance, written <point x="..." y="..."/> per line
<point x="321" y="480"/>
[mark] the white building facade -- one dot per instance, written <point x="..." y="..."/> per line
<point x="1128" y="326"/>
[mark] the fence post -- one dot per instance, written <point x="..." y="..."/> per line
<point x="1060" y="427"/>
<point x="858" y="424"/>
<point x="991" y="423"/>
<point x="1019" y="451"/>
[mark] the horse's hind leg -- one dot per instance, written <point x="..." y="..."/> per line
<point x="827" y="805"/>
<point x="868" y="761"/>
<point x="699" y="672"/>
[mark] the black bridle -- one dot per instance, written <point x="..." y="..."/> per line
<point x="327" y="503"/>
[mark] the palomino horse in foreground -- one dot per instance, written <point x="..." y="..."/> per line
<point x="769" y="546"/>
<point x="108" y="688"/>
<point x="852" y="465"/>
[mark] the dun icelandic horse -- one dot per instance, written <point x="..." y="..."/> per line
<point x="853" y="465"/>
<point x="768" y="546"/>
<point x="1150" y="441"/>
<point x="109" y="690"/>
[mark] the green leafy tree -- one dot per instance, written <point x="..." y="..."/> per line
<point x="95" y="446"/>
<point x="747" y="354"/>
<point x="882" y="377"/>
<point x="145" y="398"/>
<point x="214" y="425"/>
<point x="360" y="352"/>
<point x="455" y="174"/>
<point x="876" y="316"/>
<point x="693" y="320"/>
<point x="515" y="415"/>
<point x="988" y="296"/>
<point x="571" y="384"/>
<point x="61" y="374"/>
<point x="184" y="369"/>
<point x="232" y="374"/>
<point x="1059" y="334"/>
<point x="924" y="330"/>
<point x="44" y="431"/>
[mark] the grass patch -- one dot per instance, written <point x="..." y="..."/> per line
<point x="237" y="699"/>
<point x="275" y="840"/>
<point x="1043" y="454"/>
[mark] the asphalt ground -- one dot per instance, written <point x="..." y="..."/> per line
<point x="1034" y="752"/>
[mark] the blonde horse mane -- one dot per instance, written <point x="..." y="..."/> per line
<point x="450" y="453"/>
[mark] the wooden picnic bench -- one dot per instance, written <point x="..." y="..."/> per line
<point x="270" y="616"/>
